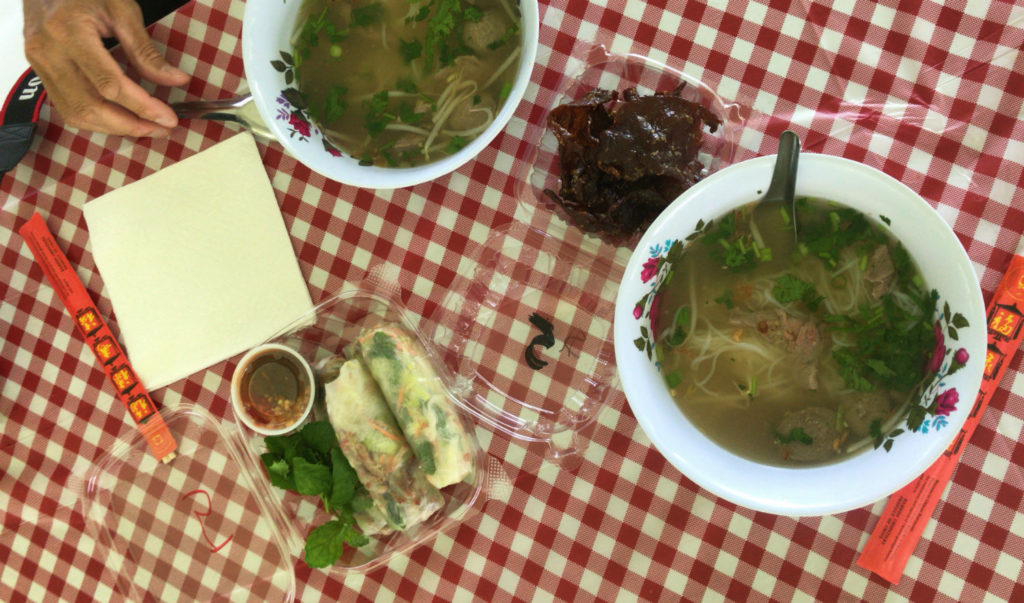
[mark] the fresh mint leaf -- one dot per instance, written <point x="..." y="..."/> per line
<point x="343" y="480"/>
<point x="325" y="544"/>
<point x="319" y="435"/>
<point x="283" y="446"/>
<point x="353" y="537"/>
<point x="311" y="479"/>
<point x="278" y="471"/>
<point x="361" y="501"/>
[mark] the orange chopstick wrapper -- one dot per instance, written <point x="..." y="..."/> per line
<point x="97" y="334"/>
<point x="903" y="521"/>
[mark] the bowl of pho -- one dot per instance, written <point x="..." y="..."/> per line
<point x="808" y="374"/>
<point x="388" y="93"/>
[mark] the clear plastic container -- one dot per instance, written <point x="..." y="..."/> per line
<point x="600" y="69"/>
<point x="522" y="344"/>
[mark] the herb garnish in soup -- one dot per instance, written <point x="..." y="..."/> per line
<point x="794" y="353"/>
<point x="403" y="83"/>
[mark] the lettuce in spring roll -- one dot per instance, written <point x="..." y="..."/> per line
<point x="419" y="402"/>
<point x="374" y="446"/>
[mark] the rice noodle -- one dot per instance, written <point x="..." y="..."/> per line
<point x="443" y="114"/>
<point x="508" y="9"/>
<point x="474" y="130"/>
<point x="511" y="58"/>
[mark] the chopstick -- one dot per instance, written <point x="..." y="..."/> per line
<point x="899" y="529"/>
<point x="98" y="335"/>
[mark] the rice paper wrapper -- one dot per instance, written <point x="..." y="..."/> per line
<point x="419" y="402"/>
<point x="373" y="443"/>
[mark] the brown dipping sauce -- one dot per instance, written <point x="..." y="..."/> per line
<point x="274" y="389"/>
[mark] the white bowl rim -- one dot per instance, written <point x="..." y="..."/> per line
<point x="780" y="490"/>
<point x="264" y="94"/>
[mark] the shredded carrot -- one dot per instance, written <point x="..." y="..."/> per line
<point x="376" y="425"/>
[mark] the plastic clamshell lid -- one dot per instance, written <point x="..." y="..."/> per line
<point x="194" y="529"/>
<point x="529" y="336"/>
<point x="598" y="68"/>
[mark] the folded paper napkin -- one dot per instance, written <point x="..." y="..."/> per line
<point x="197" y="262"/>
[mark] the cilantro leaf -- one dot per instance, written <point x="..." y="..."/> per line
<point x="789" y="288"/>
<point x="425" y="455"/>
<point x="334" y="105"/>
<point x="381" y="346"/>
<point x="726" y="299"/>
<point x="410" y="50"/>
<point x="405" y="84"/>
<point x="365" y="16"/>
<point x="796" y="434"/>
<point x="455" y="145"/>
<point x="509" y="33"/>
<point x="376" y="118"/>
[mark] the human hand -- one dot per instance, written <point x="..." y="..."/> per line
<point x="63" y="43"/>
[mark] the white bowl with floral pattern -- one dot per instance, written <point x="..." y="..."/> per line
<point x="266" y="52"/>
<point x="864" y="477"/>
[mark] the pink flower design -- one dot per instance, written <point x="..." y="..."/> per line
<point x="654" y="313"/>
<point x="300" y="125"/>
<point x="946" y="402"/>
<point x="961" y="356"/>
<point x="637" y="311"/>
<point x="650" y="269"/>
<point x="333" y="151"/>
<point x="940" y="350"/>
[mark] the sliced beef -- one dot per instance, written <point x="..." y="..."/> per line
<point x="880" y="273"/>
<point x="801" y="338"/>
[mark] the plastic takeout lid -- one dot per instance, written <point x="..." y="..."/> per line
<point x="197" y="528"/>
<point x="595" y="67"/>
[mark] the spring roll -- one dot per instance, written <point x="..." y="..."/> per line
<point x="373" y="444"/>
<point x="419" y="402"/>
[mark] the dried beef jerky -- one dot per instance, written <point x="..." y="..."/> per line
<point x="622" y="162"/>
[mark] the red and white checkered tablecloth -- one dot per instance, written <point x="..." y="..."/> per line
<point x="929" y="92"/>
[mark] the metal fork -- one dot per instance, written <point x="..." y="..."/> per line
<point x="240" y="109"/>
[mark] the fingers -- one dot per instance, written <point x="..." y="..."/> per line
<point x="130" y="32"/>
<point x="110" y="82"/>
<point x="77" y="101"/>
<point x="86" y="85"/>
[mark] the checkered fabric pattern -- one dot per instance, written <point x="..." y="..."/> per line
<point x="929" y="92"/>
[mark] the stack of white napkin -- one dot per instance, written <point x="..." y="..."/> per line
<point x="197" y="262"/>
